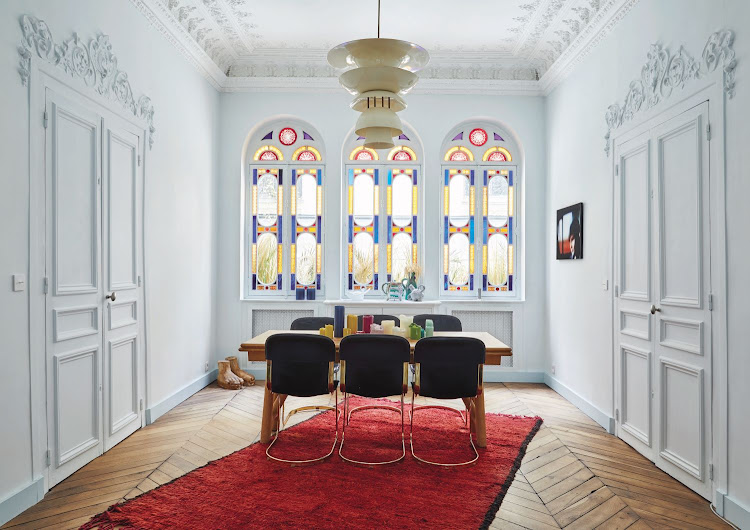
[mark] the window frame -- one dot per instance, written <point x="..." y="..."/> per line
<point x="287" y="291"/>
<point x="383" y="167"/>
<point x="477" y="292"/>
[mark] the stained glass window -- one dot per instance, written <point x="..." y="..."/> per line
<point x="402" y="205"/>
<point x="362" y="229"/>
<point x="284" y="201"/>
<point x="402" y="153"/>
<point x="363" y="153"/>
<point x="478" y="171"/>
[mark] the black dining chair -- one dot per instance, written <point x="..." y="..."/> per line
<point x="374" y="366"/>
<point x="447" y="368"/>
<point x="440" y="322"/>
<point x="311" y="323"/>
<point x="378" y="319"/>
<point x="302" y="366"/>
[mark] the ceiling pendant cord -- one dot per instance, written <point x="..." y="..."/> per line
<point x="378" y="18"/>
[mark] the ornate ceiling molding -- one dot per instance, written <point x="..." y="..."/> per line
<point x="93" y="63"/>
<point x="666" y="72"/>
<point x="221" y="39"/>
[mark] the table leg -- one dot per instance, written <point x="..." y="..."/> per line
<point x="479" y="419"/>
<point x="267" y="423"/>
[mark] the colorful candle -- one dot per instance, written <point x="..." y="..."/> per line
<point x="388" y="326"/>
<point x="376" y="328"/>
<point x="429" y="328"/>
<point x="338" y="321"/>
<point x="405" y="320"/>
<point x="323" y="331"/>
<point x="329" y="331"/>
<point x="347" y="332"/>
<point x="351" y="323"/>
<point x="367" y="321"/>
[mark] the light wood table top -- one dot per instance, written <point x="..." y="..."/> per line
<point x="494" y="348"/>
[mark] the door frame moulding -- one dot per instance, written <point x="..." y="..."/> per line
<point x="712" y="80"/>
<point x="91" y="73"/>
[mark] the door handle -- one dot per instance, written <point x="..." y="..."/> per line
<point x="654" y="309"/>
<point x="112" y="297"/>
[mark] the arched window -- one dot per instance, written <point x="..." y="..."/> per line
<point x="382" y="219"/>
<point x="480" y="228"/>
<point x="283" y="209"/>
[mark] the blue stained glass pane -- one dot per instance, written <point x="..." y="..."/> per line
<point x="375" y="229"/>
<point x="389" y="232"/>
<point x="294" y="177"/>
<point x="317" y="281"/>
<point x="306" y="136"/>
<point x="267" y="136"/>
<point x="351" y="228"/>
<point x="510" y="282"/>
<point x="414" y="226"/>
<point x="446" y="231"/>
<point x="376" y="281"/>
<point x="390" y="176"/>
<point x="484" y="237"/>
<point x="471" y="283"/>
<point x="484" y="282"/>
<point x="510" y="178"/>
<point x="471" y="230"/>
<point x="294" y="279"/>
<point x="351" y="177"/>
<point x="320" y="231"/>
<point x="447" y="177"/>
<point x="376" y="177"/>
<point x="414" y="178"/>
<point x="472" y="177"/>
<point x="350" y="282"/>
<point x="445" y="282"/>
<point x="255" y="177"/>
<point x="320" y="177"/>
<point x="278" y="282"/>
<point x="498" y="138"/>
<point x="255" y="282"/>
<point x="459" y="136"/>
<point x="510" y="231"/>
<point x="281" y="231"/>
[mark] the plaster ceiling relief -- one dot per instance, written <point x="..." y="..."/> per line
<point x="492" y="40"/>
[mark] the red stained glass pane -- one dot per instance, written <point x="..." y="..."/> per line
<point x="402" y="156"/>
<point x="459" y="156"/>
<point x="287" y="136"/>
<point x="363" y="155"/>
<point x="306" y="156"/>
<point x="478" y="137"/>
<point x="268" y="155"/>
<point x="497" y="156"/>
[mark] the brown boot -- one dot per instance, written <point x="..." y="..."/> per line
<point x="226" y="378"/>
<point x="234" y="364"/>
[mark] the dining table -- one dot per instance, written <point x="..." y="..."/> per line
<point x="495" y="350"/>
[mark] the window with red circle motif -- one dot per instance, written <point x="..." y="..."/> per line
<point x="268" y="155"/>
<point x="287" y="136"/>
<point x="306" y="156"/>
<point x="402" y="156"/>
<point x="497" y="156"/>
<point x="478" y="137"/>
<point x="459" y="156"/>
<point x="363" y="155"/>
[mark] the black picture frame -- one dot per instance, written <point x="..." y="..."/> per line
<point x="569" y="232"/>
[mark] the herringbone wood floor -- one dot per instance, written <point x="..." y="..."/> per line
<point x="575" y="475"/>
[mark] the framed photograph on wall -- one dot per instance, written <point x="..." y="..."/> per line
<point x="570" y="232"/>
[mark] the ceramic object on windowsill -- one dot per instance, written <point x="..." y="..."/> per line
<point x="357" y="295"/>
<point x="417" y="295"/>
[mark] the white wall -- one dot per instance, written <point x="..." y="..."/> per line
<point x="180" y="209"/>
<point x="431" y="116"/>
<point x="579" y="311"/>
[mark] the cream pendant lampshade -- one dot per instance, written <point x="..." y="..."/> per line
<point x="383" y="70"/>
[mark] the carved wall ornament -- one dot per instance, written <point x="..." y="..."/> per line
<point x="665" y="72"/>
<point x="94" y="63"/>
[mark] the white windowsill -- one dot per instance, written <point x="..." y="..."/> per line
<point x="382" y="303"/>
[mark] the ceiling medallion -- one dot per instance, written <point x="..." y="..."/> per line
<point x="379" y="72"/>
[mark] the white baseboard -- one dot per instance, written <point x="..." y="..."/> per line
<point x="732" y="510"/>
<point x="599" y="416"/>
<point x="21" y="500"/>
<point x="167" y="404"/>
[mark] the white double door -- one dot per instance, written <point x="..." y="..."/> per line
<point x="663" y="313"/>
<point x="94" y="309"/>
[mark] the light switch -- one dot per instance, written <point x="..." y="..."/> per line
<point x="19" y="282"/>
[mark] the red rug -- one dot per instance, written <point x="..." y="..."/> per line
<point x="246" y="490"/>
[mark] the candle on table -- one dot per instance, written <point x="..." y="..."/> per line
<point x="347" y="332"/>
<point x="367" y="321"/>
<point x="376" y="328"/>
<point x="329" y="331"/>
<point x="299" y="293"/>
<point x="338" y="321"/>
<point x="323" y="331"/>
<point x="406" y="320"/>
<point x="351" y="323"/>
<point x="388" y="326"/>
<point x="429" y="328"/>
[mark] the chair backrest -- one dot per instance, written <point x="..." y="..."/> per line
<point x="301" y="365"/>
<point x="441" y="322"/>
<point x="311" y="323"/>
<point x="378" y="319"/>
<point x="448" y="367"/>
<point x="374" y="365"/>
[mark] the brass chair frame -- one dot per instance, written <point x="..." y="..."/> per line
<point x="348" y="415"/>
<point x="335" y="392"/>
<point x="480" y="372"/>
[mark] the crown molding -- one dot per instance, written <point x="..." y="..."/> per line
<point x="181" y="39"/>
<point x="604" y="21"/>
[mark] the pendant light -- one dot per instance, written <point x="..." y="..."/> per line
<point x="378" y="72"/>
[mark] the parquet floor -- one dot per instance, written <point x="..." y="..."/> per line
<point x="574" y="475"/>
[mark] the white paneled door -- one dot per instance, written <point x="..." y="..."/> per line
<point x="663" y="308"/>
<point x="94" y="354"/>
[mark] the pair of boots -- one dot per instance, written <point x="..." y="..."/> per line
<point x="231" y="376"/>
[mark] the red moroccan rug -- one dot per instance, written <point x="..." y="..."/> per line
<point x="246" y="490"/>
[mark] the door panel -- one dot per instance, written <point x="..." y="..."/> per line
<point x="633" y="269"/>
<point x="74" y="330"/>
<point x="122" y="235"/>
<point x="682" y="318"/>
